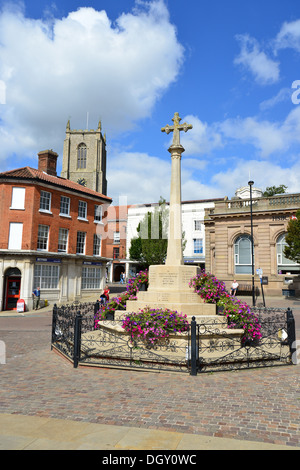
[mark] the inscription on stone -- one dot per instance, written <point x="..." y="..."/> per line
<point x="167" y="280"/>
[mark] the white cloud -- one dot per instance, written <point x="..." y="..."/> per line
<point x="288" y="36"/>
<point x="284" y="94"/>
<point x="263" y="173"/>
<point x="63" y="68"/>
<point x="139" y="177"/>
<point x="266" y="136"/>
<point x="253" y="59"/>
<point x="202" y="139"/>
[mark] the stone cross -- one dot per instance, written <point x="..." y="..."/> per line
<point x="176" y="128"/>
<point x="174" y="252"/>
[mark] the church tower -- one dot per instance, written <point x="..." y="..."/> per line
<point x="84" y="158"/>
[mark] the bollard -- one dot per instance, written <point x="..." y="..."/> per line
<point x="54" y="321"/>
<point x="77" y="339"/>
<point x="291" y="331"/>
<point x="193" y="347"/>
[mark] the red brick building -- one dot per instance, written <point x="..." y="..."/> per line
<point x="52" y="235"/>
<point x="116" y="241"/>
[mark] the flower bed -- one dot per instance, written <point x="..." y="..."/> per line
<point x="238" y="313"/>
<point x="153" y="325"/>
<point x="119" y="302"/>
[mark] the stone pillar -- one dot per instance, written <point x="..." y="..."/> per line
<point x="174" y="252"/>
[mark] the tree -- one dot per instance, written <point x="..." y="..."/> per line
<point x="135" y="251"/>
<point x="153" y="235"/>
<point x="272" y="190"/>
<point x="292" y="239"/>
<point x="150" y="247"/>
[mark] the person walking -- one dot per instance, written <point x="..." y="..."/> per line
<point x="36" y="298"/>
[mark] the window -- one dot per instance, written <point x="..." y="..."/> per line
<point x="197" y="224"/>
<point x="64" y="205"/>
<point x="116" y="237"/>
<point x="15" y="236"/>
<point x="98" y="213"/>
<point x="80" y="247"/>
<point x="116" y="253"/>
<point x="82" y="210"/>
<point x="45" y="201"/>
<point x="63" y="239"/>
<point x="284" y="264"/>
<point x="97" y="245"/>
<point x="242" y="255"/>
<point x="91" y="278"/>
<point x="46" y="276"/>
<point x="198" y="246"/>
<point x="43" y="233"/>
<point x="81" y="156"/>
<point x="18" y="198"/>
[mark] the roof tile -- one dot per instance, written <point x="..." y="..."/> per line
<point x="27" y="172"/>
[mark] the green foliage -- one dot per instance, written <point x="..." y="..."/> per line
<point x="272" y="190"/>
<point x="153" y="325"/>
<point x="292" y="250"/>
<point x="119" y="302"/>
<point x="238" y="313"/>
<point x="150" y="247"/>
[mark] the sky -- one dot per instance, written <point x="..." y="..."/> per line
<point x="230" y="68"/>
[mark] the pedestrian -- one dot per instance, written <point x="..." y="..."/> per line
<point x="122" y="278"/>
<point x="36" y="298"/>
<point x="234" y="287"/>
<point x="106" y="293"/>
<point x="102" y="298"/>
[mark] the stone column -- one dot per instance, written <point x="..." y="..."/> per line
<point x="174" y="252"/>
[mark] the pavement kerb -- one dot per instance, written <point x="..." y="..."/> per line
<point x="19" y="432"/>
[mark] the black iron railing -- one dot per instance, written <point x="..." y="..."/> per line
<point x="208" y="345"/>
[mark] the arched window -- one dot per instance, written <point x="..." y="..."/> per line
<point x="81" y="156"/>
<point x="284" y="264"/>
<point x="242" y="255"/>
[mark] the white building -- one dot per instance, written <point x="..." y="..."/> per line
<point x="192" y="226"/>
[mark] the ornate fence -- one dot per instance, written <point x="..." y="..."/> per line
<point x="206" y="346"/>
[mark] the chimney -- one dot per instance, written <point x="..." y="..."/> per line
<point x="47" y="162"/>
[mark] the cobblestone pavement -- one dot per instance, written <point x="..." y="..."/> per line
<point x="255" y="405"/>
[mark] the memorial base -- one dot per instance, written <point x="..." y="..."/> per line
<point x="169" y="288"/>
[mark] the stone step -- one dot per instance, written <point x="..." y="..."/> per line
<point x="206" y="331"/>
<point x="193" y="308"/>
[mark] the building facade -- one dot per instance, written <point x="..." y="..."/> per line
<point x="84" y="158"/>
<point x="229" y="246"/>
<point x="52" y="236"/>
<point x="116" y="223"/>
<point x="193" y="228"/>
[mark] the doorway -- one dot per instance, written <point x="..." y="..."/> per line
<point x="12" y="288"/>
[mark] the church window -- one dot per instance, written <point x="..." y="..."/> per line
<point x="81" y="156"/>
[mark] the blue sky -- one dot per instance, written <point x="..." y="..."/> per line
<point x="228" y="68"/>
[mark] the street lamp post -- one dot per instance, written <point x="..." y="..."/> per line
<point x="252" y="243"/>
